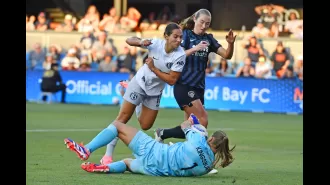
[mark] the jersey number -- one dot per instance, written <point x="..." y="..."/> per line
<point x="191" y="167"/>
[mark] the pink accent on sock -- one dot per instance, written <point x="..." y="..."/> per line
<point x="106" y="160"/>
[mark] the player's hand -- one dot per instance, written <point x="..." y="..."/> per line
<point x="202" y="45"/>
<point x="150" y="62"/>
<point x="230" y="38"/>
<point x="145" y="42"/>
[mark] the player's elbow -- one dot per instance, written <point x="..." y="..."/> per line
<point x="172" y="81"/>
<point x="128" y="41"/>
<point x="228" y="57"/>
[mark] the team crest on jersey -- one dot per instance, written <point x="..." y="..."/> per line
<point x="133" y="95"/>
<point x="169" y="65"/>
<point x="191" y="94"/>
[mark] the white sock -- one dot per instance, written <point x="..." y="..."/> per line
<point x="111" y="147"/>
<point x="138" y="110"/>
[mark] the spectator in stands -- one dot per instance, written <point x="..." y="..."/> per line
<point x="101" y="46"/>
<point x="110" y="23"/>
<point x="52" y="82"/>
<point x="165" y="15"/>
<point x="280" y="60"/>
<point x="294" y="26"/>
<point x="254" y="49"/>
<point x="260" y="31"/>
<point x="274" y="30"/>
<point x="149" y="23"/>
<point x="46" y="65"/>
<point x="263" y="68"/>
<point x="30" y="23"/>
<point x="126" y="60"/>
<point x="163" y="23"/>
<point x="85" y="25"/>
<point x="84" y="66"/>
<point x="91" y="18"/>
<point x="67" y="25"/>
<point x="70" y="61"/>
<point x="224" y="69"/>
<point x="37" y="56"/>
<point x="130" y="21"/>
<point x="108" y="65"/>
<point x="42" y="23"/>
<point x="85" y="59"/>
<point x="269" y="13"/>
<point x="32" y="19"/>
<point x="298" y="67"/>
<point x="77" y="49"/>
<point x="246" y="70"/>
<point x="71" y="66"/>
<point x="86" y="43"/>
<point x="55" y="50"/>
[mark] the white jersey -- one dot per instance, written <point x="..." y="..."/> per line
<point x="166" y="62"/>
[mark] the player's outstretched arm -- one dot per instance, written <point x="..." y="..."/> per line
<point x="228" y="53"/>
<point x="138" y="42"/>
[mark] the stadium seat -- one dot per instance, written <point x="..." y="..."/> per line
<point x="94" y="66"/>
<point x="27" y="55"/>
<point x="62" y="55"/>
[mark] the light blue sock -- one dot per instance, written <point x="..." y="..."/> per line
<point x="103" y="138"/>
<point x="117" y="167"/>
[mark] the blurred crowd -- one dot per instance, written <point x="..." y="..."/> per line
<point x="95" y="50"/>
<point x="109" y="22"/>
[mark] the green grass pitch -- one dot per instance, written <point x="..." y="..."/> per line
<point x="269" y="147"/>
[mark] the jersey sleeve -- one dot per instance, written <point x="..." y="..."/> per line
<point x="154" y="44"/>
<point x="193" y="136"/>
<point x="179" y="63"/>
<point x="214" y="44"/>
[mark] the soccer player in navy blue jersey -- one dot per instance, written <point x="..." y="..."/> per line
<point x="189" y="89"/>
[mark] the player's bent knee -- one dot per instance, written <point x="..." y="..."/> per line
<point x="145" y="126"/>
<point x="123" y="117"/>
<point x="127" y="161"/>
<point x="203" y="121"/>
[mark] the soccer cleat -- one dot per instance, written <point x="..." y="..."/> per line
<point x="124" y="83"/>
<point x="158" y="133"/>
<point x="213" y="171"/>
<point x="95" y="168"/>
<point x="80" y="150"/>
<point x="106" y="160"/>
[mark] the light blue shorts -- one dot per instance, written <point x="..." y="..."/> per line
<point x="148" y="154"/>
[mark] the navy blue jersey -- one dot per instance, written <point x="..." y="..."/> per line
<point x="193" y="73"/>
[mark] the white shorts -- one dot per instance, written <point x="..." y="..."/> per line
<point x="136" y="95"/>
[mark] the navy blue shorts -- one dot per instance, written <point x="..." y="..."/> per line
<point x="185" y="94"/>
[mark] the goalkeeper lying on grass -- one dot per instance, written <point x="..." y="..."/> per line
<point x="194" y="157"/>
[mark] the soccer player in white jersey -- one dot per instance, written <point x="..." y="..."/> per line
<point x="164" y="65"/>
<point x="196" y="156"/>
